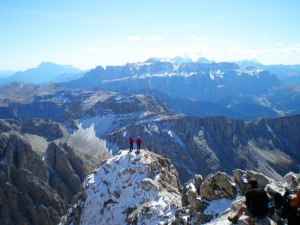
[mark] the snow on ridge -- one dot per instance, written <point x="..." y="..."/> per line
<point x="122" y="183"/>
<point x="123" y="98"/>
<point x="95" y="98"/>
<point x="219" y="206"/>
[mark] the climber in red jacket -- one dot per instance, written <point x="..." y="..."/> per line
<point x="138" y="143"/>
<point x="131" y="141"/>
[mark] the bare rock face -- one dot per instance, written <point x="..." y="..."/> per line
<point x="26" y="196"/>
<point x="67" y="166"/>
<point x="44" y="128"/>
<point x="19" y="153"/>
<point x="34" y="190"/>
<point x="218" y="185"/>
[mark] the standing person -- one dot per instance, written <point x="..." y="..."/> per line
<point x="131" y="141"/>
<point x="257" y="201"/>
<point x="291" y="209"/>
<point x="138" y="143"/>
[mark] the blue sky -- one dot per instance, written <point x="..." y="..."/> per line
<point x="102" y="32"/>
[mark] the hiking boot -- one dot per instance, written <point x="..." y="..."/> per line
<point x="233" y="219"/>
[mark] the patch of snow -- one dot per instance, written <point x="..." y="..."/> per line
<point x="85" y="140"/>
<point x="216" y="207"/>
<point x="116" y="186"/>
<point x="123" y="98"/>
<point x="191" y="187"/>
<point x="95" y="98"/>
<point x="103" y="124"/>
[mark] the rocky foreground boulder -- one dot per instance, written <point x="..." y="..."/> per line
<point x="145" y="189"/>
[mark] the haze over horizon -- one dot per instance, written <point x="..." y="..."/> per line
<point x="90" y="33"/>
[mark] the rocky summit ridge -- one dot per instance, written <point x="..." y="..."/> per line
<point x="131" y="188"/>
<point x="144" y="188"/>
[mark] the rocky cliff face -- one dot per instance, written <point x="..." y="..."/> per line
<point x="145" y="189"/>
<point x="36" y="187"/>
<point x="206" y="145"/>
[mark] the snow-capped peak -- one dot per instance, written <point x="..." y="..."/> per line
<point x="131" y="187"/>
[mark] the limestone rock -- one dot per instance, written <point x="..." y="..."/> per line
<point x="27" y="199"/>
<point x="19" y="153"/>
<point x="67" y="166"/>
<point x="218" y="185"/>
<point x="32" y="191"/>
<point x="241" y="178"/>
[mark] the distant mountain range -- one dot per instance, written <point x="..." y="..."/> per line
<point x="287" y="73"/>
<point x="51" y="72"/>
<point x="239" y="90"/>
<point x="199" y="88"/>
<point x="43" y="73"/>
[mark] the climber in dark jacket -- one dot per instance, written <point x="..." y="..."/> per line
<point x="131" y="141"/>
<point x="256" y="204"/>
<point x="138" y="143"/>
<point x="291" y="209"/>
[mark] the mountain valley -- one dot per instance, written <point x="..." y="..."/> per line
<point x="195" y="119"/>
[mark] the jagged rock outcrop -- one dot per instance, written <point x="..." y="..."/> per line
<point x="18" y="152"/>
<point x="25" y="191"/>
<point x="66" y="167"/>
<point x="217" y="186"/>
<point x="131" y="189"/>
<point x="33" y="191"/>
<point x="26" y="199"/>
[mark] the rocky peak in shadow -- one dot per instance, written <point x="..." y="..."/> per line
<point x="35" y="188"/>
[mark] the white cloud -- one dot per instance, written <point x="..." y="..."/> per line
<point x="269" y="50"/>
<point x="145" y="38"/>
<point x="237" y="50"/>
<point x="93" y="50"/>
<point x="199" y="38"/>
<point x="193" y="52"/>
<point x="291" y="49"/>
